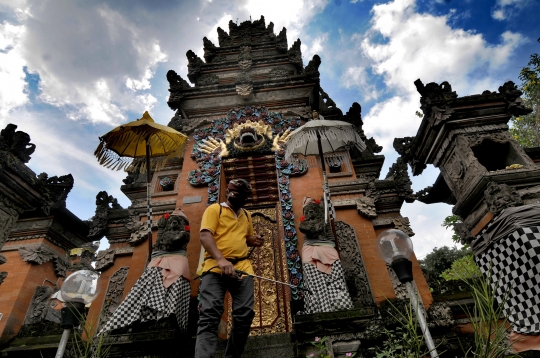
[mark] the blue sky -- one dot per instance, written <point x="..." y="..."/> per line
<point x="72" y="70"/>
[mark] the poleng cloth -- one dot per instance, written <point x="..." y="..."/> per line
<point x="172" y="267"/>
<point x="321" y="257"/>
<point x="230" y="232"/>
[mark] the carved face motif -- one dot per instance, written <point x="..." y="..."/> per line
<point x="249" y="135"/>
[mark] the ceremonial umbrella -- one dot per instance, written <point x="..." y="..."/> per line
<point x="321" y="136"/>
<point x="140" y="139"/>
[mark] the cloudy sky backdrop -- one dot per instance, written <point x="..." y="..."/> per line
<point x="70" y="70"/>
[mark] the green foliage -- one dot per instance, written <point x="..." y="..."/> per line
<point x="319" y="343"/>
<point x="449" y="223"/>
<point x="406" y="341"/>
<point x="463" y="268"/>
<point x="85" y="343"/>
<point x="490" y="331"/>
<point x="441" y="259"/>
<point x="526" y="129"/>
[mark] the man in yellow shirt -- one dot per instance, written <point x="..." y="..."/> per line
<point x="226" y="232"/>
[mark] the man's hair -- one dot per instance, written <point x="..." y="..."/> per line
<point x="240" y="185"/>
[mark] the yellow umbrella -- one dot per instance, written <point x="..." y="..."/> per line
<point x="140" y="139"/>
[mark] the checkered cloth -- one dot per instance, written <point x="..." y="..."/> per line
<point x="150" y="300"/>
<point x="515" y="268"/>
<point x="328" y="292"/>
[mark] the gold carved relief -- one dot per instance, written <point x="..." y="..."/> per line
<point x="272" y="311"/>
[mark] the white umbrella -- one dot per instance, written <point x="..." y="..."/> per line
<point x="321" y="136"/>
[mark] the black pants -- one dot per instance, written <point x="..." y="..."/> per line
<point x="212" y="295"/>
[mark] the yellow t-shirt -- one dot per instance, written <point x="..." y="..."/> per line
<point x="230" y="234"/>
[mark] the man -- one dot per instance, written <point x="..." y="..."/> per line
<point x="226" y="232"/>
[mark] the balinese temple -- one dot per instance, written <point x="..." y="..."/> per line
<point x="238" y="108"/>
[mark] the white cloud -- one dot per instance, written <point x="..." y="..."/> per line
<point x="94" y="69"/>
<point x="505" y="9"/>
<point x="298" y="14"/>
<point x="426" y="47"/>
<point x="316" y="48"/>
<point x="357" y="77"/>
<point x="12" y="76"/>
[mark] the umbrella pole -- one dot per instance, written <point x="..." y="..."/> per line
<point x="148" y="200"/>
<point x="329" y="209"/>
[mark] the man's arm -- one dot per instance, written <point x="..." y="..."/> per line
<point x="209" y="244"/>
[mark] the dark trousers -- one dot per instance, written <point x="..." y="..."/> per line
<point x="212" y="295"/>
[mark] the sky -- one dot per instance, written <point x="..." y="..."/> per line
<point x="72" y="70"/>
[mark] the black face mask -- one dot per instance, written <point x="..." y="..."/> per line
<point x="237" y="201"/>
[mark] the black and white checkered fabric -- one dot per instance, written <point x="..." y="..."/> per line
<point x="150" y="300"/>
<point x="331" y="210"/>
<point x="515" y="269"/>
<point x="328" y="291"/>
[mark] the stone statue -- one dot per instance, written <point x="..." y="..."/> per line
<point x="323" y="274"/>
<point x="163" y="289"/>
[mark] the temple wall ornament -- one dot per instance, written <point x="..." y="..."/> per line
<point x="279" y="72"/>
<point x="436" y="101"/>
<point x="366" y="207"/>
<point x="39" y="307"/>
<point x="105" y="259"/>
<point x="113" y="296"/>
<point x="37" y="254"/>
<point x="353" y="266"/>
<point x="16" y="143"/>
<point x="501" y="196"/>
<point x="404" y="225"/>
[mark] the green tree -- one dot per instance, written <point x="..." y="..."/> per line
<point x="441" y="259"/>
<point x="526" y="129"/>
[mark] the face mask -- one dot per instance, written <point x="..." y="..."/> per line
<point x="237" y="200"/>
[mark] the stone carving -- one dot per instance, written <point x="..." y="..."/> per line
<point x="244" y="84"/>
<point x="194" y="66"/>
<point x="512" y="96"/>
<point x="61" y="266"/>
<point x="113" y="297"/>
<point x="436" y="101"/>
<point x="422" y="195"/>
<point x="173" y="233"/>
<point x="501" y="196"/>
<point x="9" y="212"/>
<point x="177" y="122"/>
<point x="16" y="143"/>
<point x="281" y="41"/>
<point x="440" y="315"/>
<point x="176" y="82"/>
<point x="279" y="72"/>
<point x="37" y="254"/>
<point x="399" y="288"/>
<point x="295" y="55"/>
<point x="54" y="190"/>
<point x="465" y="235"/>
<point x="244" y="58"/>
<point x="208" y="79"/>
<point x="3" y="276"/>
<point x="366" y="207"/>
<point x="104" y="259"/>
<point x="209" y="50"/>
<point x="223" y="38"/>
<point x="353" y="266"/>
<point x="98" y="223"/>
<point x="39" y="306"/>
<point x="312" y="71"/>
<point x="404" y="225"/>
<point x="354" y="116"/>
<point x="398" y="172"/>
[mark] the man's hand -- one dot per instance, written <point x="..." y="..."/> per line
<point x="255" y="240"/>
<point x="227" y="268"/>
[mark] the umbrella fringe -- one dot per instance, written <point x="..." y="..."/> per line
<point x="331" y="133"/>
